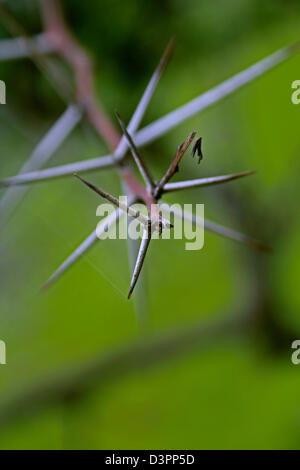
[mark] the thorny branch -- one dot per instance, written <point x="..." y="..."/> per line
<point x="142" y="353"/>
<point x="155" y="221"/>
<point x="62" y="41"/>
<point x="137" y="157"/>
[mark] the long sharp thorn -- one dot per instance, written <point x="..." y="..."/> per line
<point x="221" y="230"/>
<point x="114" y="200"/>
<point x="141" y="294"/>
<point x="140" y="260"/>
<point x="162" y="125"/>
<point x="59" y="171"/>
<point x="99" y="191"/>
<point x="197" y="183"/>
<point x="166" y="55"/>
<point x="137" y="155"/>
<point x="148" y="93"/>
<point x="82" y="248"/>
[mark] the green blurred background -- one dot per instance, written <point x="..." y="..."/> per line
<point x="235" y="393"/>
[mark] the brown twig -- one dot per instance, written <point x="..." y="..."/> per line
<point x="63" y="41"/>
<point x="137" y="156"/>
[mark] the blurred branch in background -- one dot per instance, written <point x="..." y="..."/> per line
<point x="141" y="299"/>
<point x="137" y="356"/>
